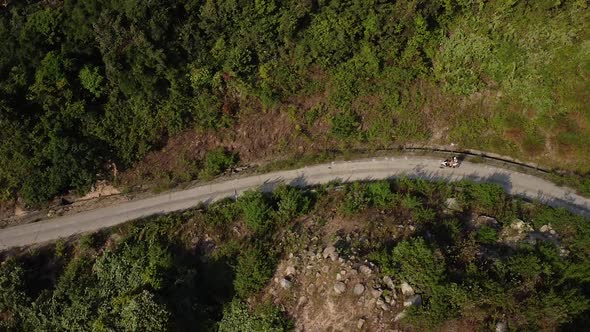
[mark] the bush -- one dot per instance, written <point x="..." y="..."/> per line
<point x="418" y="265"/>
<point x="237" y="317"/>
<point x="291" y="202"/>
<point x="355" y="199"/>
<point x="256" y="211"/>
<point x="253" y="271"/>
<point x="380" y="194"/>
<point x="487" y="235"/>
<point x="345" y="124"/>
<point x="217" y="161"/>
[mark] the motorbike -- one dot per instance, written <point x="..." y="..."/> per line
<point x="451" y="163"/>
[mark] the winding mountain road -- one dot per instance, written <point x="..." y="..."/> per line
<point x="515" y="183"/>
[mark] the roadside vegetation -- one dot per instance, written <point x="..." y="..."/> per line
<point x="476" y="256"/>
<point x="91" y="88"/>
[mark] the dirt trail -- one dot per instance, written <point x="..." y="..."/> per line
<point x="515" y="183"/>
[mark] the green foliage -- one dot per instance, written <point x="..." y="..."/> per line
<point x="356" y="198"/>
<point x="380" y="193"/>
<point x="237" y="317"/>
<point x="256" y="211"/>
<point x="418" y="264"/>
<point x="253" y="271"/>
<point x="291" y="203"/>
<point x="217" y="161"/>
<point x="487" y="234"/>
<point x="345" y="124"/>
<point x="92" y="80"/>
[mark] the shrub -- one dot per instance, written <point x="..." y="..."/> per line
<point x="256" y="211"/>
<point x="217" y="161"/>
<point x="253" y="271"/>
<point x="380" y="194"/>
<point x="418" y="264"/>
<point x="487" y="235"/>
<point x="237" y="317"/>
<point x="344" y="124"/>
<point x="291" y="202"/>
<point x="355" y="199"/>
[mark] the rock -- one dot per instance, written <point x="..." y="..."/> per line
<point x="400" y="316"/>
<point x="375" y="293"/>
<point x="379" y="301"/>
<point x="485" y="221"/>
<point x="388" y="282"/>
<point x="387" y="299"/>
<point x="384" y="307"/>
<point x="339" y="287"/>
<point x="290" y="270"/>
<point x="543" y="229"/>
<point x="358" y="289"/>
<point x="407" y="290"/>
<point x="516" y="232"/>
<point x="414" y="300"/>
<point x="452" y="204"/>
<point x="325" y="269"/>
<point x="501" y="327"/>
<point x="311" y="289"/>
<point x="330" y="252"/>
<point x="338" y="276"/>
<point x="285" y="283"/>
<point x="343" y="272"/>
<point x="360" y="323"/>
<point x="302" y="301"/>
<point x="365" y="270"/>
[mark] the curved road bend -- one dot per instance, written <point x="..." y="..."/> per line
<point x="366" y="169"/>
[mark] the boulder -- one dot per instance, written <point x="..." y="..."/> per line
<point x="290" y="270"/>
<point x="365" y="270"/>
<point x="452" y="204"/>
<point x="285" y="283"/>
<point x="407" y="290"/>
<point x="517" y="231"/>
<point x="414" y="300"/>
<point x="388" y="282"/>
<point x="358" y="289"/>
<point x="360" y="323"/>
<point x="339" y="287"/>
<point x="501" y="327"/>
<point x="331" y="253"/>
<point x="375" y="293"/>
<point x="400" y="316"/>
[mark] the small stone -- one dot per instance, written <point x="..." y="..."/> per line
<point x="375" y="293"/>
<point x="358" y="289"/>
<point x="338" y="276"/>
<point x="407" y="290"/>
<point x="365" y="270"/>
<point x="330" y="252"/>
<point x="501" y="327"/>
<point x="285" y="284"/>
<point x="387" y="299"/>
<point x="388" y="282"/>
<point x="325" y="269"/>
<point x="311" y="289"/>
<point x="360" y="323"/>
<point x="302" y="301"/>
<point x="400" y="316"/>
<point x="414" y="300"/>
<point x="384" y="307"/>
<point x="290" y="270"/>
<point x="339" y="287"/>
<point x="379" y="301"/>
<point x="343" y="272"/>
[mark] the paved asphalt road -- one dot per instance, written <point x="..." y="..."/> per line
<point x="366" y="169"/>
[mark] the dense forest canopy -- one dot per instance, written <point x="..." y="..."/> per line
<point x="88" y="85"/>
